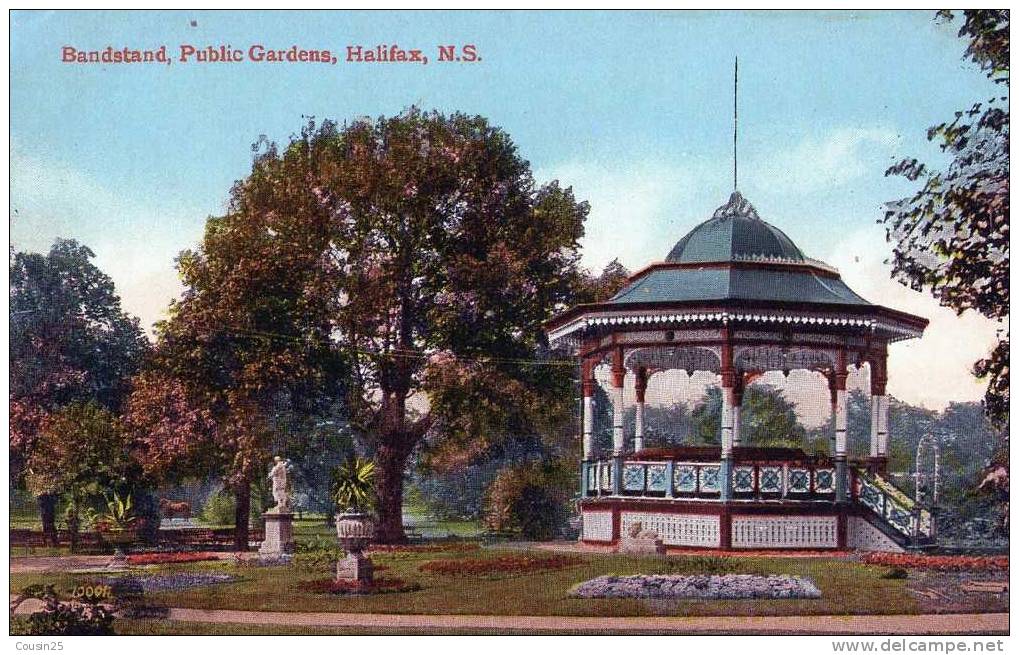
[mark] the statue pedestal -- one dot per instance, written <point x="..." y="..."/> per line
<point x="355" y="566"/>
<point x="279" y="537"/>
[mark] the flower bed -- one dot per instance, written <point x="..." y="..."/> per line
<point x="169" y="558"/>
<point x="357" y="588"/>
<point x="126" y="584"/>
<point x="501" y="564"/>
<point x="938" y="562"/>
<point x="453" y="547"/>
<point x="730" y="586"/>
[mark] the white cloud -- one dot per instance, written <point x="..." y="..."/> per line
<point x="935" y="369"/>
<point x="820" y="163"/>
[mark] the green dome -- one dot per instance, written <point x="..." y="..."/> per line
<point x="734" y="233"/>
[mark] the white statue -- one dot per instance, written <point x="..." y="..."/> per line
<point x="278" y="475"/>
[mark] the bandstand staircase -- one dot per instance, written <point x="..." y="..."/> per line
<point x="892" y="511"/>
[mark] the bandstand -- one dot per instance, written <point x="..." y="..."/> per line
<point x="735" y="297"/>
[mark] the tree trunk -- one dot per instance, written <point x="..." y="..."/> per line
<point x="242" y="516"/>
<point x="48" y="513"/>
<point x="392" y="462"/>
<point x="73" y="526"/>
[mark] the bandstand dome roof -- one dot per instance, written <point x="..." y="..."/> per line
<point x="735" y="255"/>
<point x="735" y="266"/>
<point x="734" y="233"/>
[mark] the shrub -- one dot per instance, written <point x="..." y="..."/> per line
<point x="353" y="485"/>
<point x="355" y="587"/>
<point x="501" y="564"/>
<point x="700" y="564"/>
<point x="219" y="508"/>
<point x="530" y="499"/>
<point x="63" y="619"/>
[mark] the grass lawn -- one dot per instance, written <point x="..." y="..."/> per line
<point x="156" y="627"/>
<point x="846" y="587"/>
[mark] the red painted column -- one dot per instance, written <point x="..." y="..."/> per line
<point x="840" y="414"/>
<point x="725" y="528"/>
<point x="618" y="443"/>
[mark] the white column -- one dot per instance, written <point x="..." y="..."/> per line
<point x="618" y="443"/>
<point x="874" y="448"/>
<point x="588" y="427"/>
<point x="737" y="426"/>
<point x="841" y="422"/>
<point x="882" y="426"/>
<point x="638" y="427"/>
<point x="727" y="413"/>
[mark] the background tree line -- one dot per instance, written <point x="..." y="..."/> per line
<point x="384" y="282"/>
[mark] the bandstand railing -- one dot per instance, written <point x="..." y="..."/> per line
<point x="702" y="480"/>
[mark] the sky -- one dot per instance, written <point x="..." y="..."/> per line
<point x="631" y="109"/>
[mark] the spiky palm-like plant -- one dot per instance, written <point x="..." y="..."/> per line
<point x="354" y="485"/>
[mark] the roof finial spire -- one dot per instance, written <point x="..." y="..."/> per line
<point x="735" y="122"/>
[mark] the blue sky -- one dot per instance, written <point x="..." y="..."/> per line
<point x="631" y="109"/>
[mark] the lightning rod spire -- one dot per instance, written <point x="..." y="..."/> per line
<point x="735" y="122"/>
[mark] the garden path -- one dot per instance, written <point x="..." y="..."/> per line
<point x="784" y="625"/>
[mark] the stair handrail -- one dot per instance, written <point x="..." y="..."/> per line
<point x="897" y="509"/>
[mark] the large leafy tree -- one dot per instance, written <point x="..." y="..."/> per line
<point x="445" y="258"/>
<point x="952" y="236"/>
<point x="417" y="246"/>
<point x="70" y="343"/>
<point x="245" y="360"/>
<point x="81" y="453"/>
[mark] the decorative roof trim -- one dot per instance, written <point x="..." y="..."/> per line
<point x="578" y="324"/>
<point x="806" y="262"/>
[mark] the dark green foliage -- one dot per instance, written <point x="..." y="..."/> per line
<point x="220" y="508"/>
<point x="459" y="493"/>
<point x="70" y="343"/>
<point x="768" y="419"/>
<point x="353" y="485"/>
<point x="530" y="499"/>
<point x="314" y="454"/>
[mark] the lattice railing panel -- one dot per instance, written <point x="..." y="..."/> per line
<point x="784" y="532"/>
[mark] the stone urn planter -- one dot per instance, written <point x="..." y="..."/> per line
<point x="354" y="531"/>
<point x="121" y="540"/>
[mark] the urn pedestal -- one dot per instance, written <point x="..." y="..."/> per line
<point x="354" y="531"/>
<point x="278" y="545"/>
<point x="121" y="541"/>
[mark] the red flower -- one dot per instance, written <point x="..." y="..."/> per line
<point x="939" y="562"/>
<point x="501" y="564"/>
